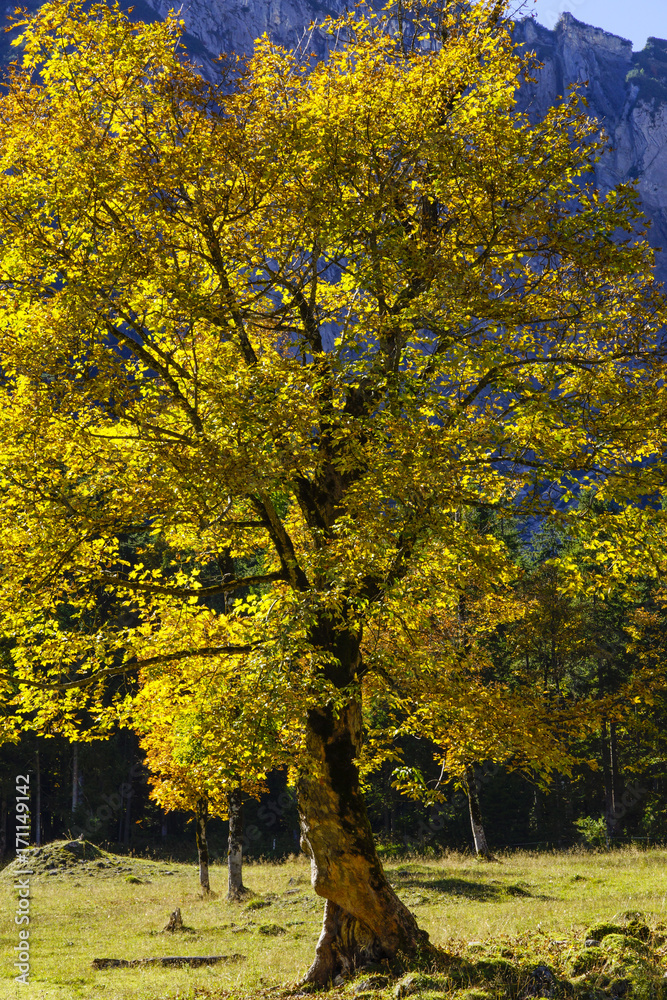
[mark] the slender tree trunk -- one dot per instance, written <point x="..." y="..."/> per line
<point x="235" y="887"/>
<point x="38" y="801"/>
<point x="386" y="816"/>
<point x="127" y="817"/>
<point x="479" y="837"/>
<point x="127" y="820"/>
<point x="364" y="920"/>
<point x="615" y="779"/>
<point x="201" y="819"/>
<point x="121" y="816"/>
<point x="610" y="772"/>
<point x="3" y="827"/>
<point x="75" y="777"/>
<point x="537" y="811"/>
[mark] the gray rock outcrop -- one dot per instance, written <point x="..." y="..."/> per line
<point x="216" y="26"/>
<point x="626" y="92"/>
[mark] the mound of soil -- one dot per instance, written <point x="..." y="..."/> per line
<point x="76" y="857"/>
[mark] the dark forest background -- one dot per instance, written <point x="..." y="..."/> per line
<point x="114" y="809"/>
<point x="572" y="648"/>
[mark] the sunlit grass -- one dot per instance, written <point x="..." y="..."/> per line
<point x="564" y="893"/>
<point x="548" y="899"/>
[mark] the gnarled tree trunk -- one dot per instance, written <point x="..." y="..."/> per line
<point x="364" y="920"/>
<point x="235" y="887"/>
<point x="201" y="819"/>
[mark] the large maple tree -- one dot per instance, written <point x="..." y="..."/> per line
<point x="296" y="322"/>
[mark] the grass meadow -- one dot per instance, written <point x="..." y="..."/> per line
<point x="532" y="907"/>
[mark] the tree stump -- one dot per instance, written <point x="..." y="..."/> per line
<point x="175" y="921"/>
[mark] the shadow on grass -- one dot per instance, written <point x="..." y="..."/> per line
<point x="480" y="891"/>
<point x="476" y="890"/>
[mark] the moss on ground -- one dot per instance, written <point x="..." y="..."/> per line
<point x="623" y="967"/>
<point x="599" y="931"/>
<point x="79" y="858"/>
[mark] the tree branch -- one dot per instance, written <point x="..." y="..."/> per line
<point x="149" y="359"/>
<point x="282" y="542"/>
<point x="107" y="672"/>
<point x="219" y="265"/>
<point x="223" y="588"/>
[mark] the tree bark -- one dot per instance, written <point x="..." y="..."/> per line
<point x="201" y="819"/>
<point x="479" y="837"/>
<point x="364" y="920"/>
<point x="235" y="887"/>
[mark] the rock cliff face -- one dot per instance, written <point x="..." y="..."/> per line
<point x="216" y="26"/>
<point x="626" y="91"/>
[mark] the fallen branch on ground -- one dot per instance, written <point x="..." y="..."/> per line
<point x="194" y="961"/>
